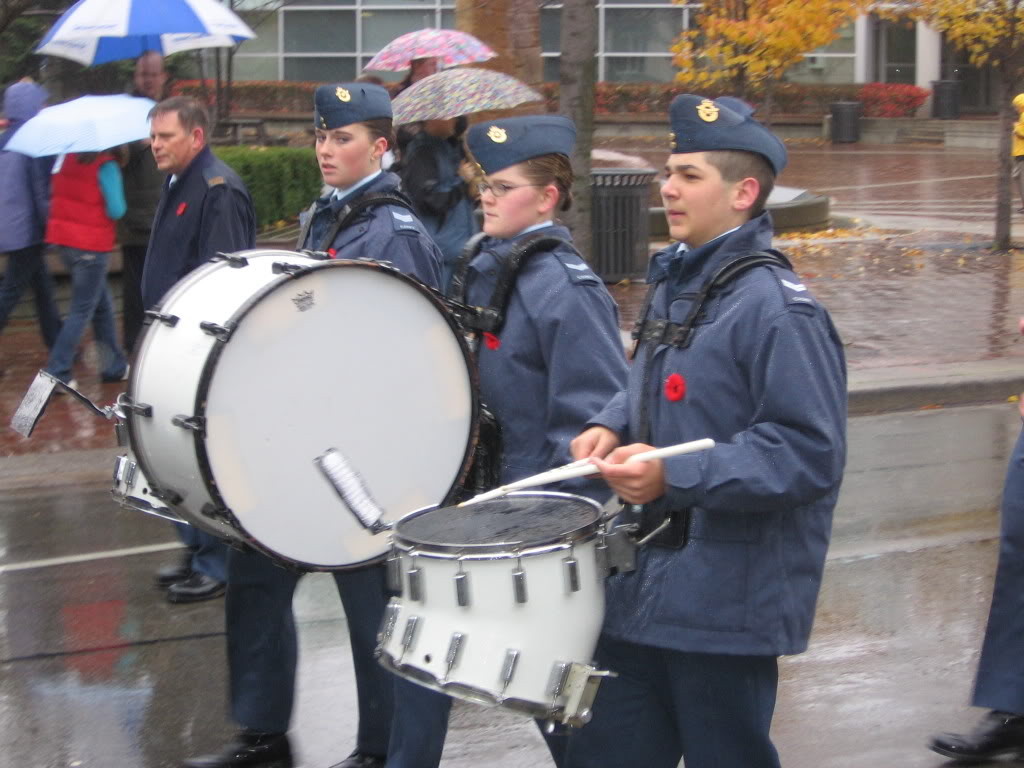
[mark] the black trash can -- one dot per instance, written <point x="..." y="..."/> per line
<point x="946" y="99"/>
<point x="619" y="223"/>
<point x="845" y="121"/>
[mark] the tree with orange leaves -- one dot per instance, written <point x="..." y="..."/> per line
<point x="751" y="43"/>
<point x="991" y="33"/>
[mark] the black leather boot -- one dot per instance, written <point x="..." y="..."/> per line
<point x="249" y="750"/>
<point x="998" y="734"/>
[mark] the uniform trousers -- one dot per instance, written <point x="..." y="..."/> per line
<point x="133" y="258"/>
<point x="209" y="554"/>
<point x="263" y="647"/>
<point x="714" y="710"/>
<point x="1000" y="679"/>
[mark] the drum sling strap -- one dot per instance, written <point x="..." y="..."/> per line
<point x="347" y="214"/>
<point x="485" y="472"/>
<point x="679" y="335"/>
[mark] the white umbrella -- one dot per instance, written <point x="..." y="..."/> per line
<point x="96" y="31"/>
<point x="88" y="124"/>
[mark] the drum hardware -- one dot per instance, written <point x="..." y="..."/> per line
<point x="508" y="668"/>
<point x="284" y="268"/>
<point x="126" y="404"/>
<point x="393" y="571"/>
<point x="387" y="626"/>
<point x="409" y="636"/>
<point x="231" y="259"/>
<point x="580" y="688"/>
<point x="415" y="581"/>
<point x="124" y="471"/>
<point x="152" y="314"/>
<point x="219" y="332"/>
<point x="223" y="514"/>
<point x="451" y="658"/>
<point x="572" y="571"/>
<point x="557" y="680"/>
<point x="582" y="468"/>
<point x="519" y="582"/>
<point x="461" y="587"/>
<point x="196" y="424"/>
<point x="353" y="491"/>
<point x="167" y="497"/>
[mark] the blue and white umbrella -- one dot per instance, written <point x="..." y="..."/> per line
<point x="88" y="124"/>
<point x="97" y="31"/>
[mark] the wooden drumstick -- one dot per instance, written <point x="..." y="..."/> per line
<point x="583" y="467"/>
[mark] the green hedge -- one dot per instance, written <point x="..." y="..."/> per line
<point x="282" y="180"/>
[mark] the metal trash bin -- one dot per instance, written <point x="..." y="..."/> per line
<point x="619" y="223"/>
<point x="946" y="99"/>
<point x="845" y="121"/>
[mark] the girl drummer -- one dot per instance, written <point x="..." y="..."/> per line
<point x="552" y="363"/>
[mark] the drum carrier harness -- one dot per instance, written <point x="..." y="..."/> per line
<point x="485" y="472"/>
<point x="347" y="214"/>
<point x="669" y="528"/>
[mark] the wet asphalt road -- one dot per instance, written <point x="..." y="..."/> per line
<point x="96" y="670"/>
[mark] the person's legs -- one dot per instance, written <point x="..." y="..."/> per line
<point x="133" y="258"/>
<point x="633" y="722"/>
<point x="112" y="360"/>
<point x="88" y="277"/>
<point x="364" y="597"/>
<point x="1018" y="175"/>
<point x="419" y="726"/>
<point x="17" y="275"/>
<point x="723" y="708"/>
<point x="46" y="300"/>
<point x="27" y="267"/>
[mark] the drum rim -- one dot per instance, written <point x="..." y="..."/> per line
<point x="206" y="376"/>
<point x="563" y="540"/>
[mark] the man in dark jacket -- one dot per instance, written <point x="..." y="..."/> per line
<point x="205" y="209"/>
<point x="739" y="533"/>
<point x="143" y="183"/>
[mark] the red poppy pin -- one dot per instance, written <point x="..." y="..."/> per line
<point x="181" y="208"/>
<point x="332" y="252"/>
<point x="492" y="341"/>
<point x="675" y="387"/>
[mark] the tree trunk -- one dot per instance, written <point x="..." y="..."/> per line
<point x="1004" y="79"/>
<point x="577" y="73"/>
<point x="511" y="28"/>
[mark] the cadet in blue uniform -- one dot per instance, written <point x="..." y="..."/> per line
<point x="555" y="360"/>
<point x="364" y="218"/>
<point x="731" y="582"/>
<point x="205" y="209"/>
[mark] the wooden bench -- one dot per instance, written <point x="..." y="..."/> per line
<point x="235" y="130"/>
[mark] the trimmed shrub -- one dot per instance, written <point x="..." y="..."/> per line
<point x="282" y="180"/>
<point x="891" y="99"/>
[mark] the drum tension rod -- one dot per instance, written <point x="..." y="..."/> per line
<point x="283" y="268"/>
<point x="195" y="423"/>
<point x="151" y="314"/>
<point x="232" y="260"/>
<point x="125" y="403"/>
<point x="219" y="332"/>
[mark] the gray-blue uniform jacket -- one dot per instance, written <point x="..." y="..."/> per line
<point x="380" y="233"/>
<point x="557" y="360"/>
<point x="765" y="377"/>
<point x="205" y="212"/>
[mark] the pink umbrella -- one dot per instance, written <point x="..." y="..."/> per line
<point x="449" y="46"/>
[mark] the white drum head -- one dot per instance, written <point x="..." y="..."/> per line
<point x="348" y="356"/>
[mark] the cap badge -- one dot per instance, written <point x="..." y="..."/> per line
<point x="707" y="111"/>
<point x="672" y="138"/>
<point x="497" y="135"/>
<point x="323" y="122"/>
<point x="342" y="94"/>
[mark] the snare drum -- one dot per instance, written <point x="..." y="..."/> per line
<point x="257" y="363"/>
<point x="500" y="603"/>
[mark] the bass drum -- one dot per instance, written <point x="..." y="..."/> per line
<point x="257" y="363"/>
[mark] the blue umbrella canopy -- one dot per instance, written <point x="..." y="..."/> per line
<point x="88" y="124"/>
<point x="97" y="31"/>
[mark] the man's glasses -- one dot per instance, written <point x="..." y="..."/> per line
<point x="501" y="189"/>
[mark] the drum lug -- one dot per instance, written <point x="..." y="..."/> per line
<point x="223" y="514"/>
<point x="167" y="497"/>
<point x="219" y="332"/>
<point x="462" y="587"/>
<point x="572" y="572"/>
<point x="151" y="314"/>
<point x="232" y="260"/>
<point x="519" y="582"/>
<point x="409" y="636"/>
<point x="125" y="403"/>
<point x="415" y="575"/>
<point x="195" y="423"/>
<point x="556" y="681"/>
<point x="284" y="268"/>
<point x="387" y="625"/>
<point x="621" y="549"/>
<point x="393" y="570"/>
<point x="508" y="668"/>
<point x="452" y="657"/>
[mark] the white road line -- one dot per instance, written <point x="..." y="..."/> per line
<point x="905" y="183"/>
<point x="84" y="558"/>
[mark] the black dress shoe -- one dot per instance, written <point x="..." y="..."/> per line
<point x="249" y="750"/>
<point x="172" y="574"/>
<point x="361" y="760"/>
<point x="196" y="587"/>
<point x="997" y="735"/>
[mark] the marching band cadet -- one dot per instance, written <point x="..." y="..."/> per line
<point x="365" y="217"/>
<point x="549" y="365"/>
<point x="734" y="347"/>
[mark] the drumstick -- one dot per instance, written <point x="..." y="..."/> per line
<point x="583" y="467"/>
